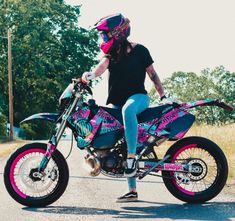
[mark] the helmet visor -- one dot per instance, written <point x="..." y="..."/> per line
<point x="105" y="36"/>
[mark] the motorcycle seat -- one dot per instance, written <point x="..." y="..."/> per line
<point x="147" y="115"/>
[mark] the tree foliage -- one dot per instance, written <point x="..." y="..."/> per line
<point x="48" y="47"/>
<point x="3" y="126"/>
<point x="217" y="83"/>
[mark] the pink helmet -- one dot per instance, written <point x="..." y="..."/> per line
<point x="114" y="30"/>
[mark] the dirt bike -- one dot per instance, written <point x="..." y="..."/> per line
<point x="194" y="169"/>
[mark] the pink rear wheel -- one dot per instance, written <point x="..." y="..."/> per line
<point x="210" y="170"/>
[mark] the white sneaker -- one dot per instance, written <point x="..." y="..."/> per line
<point x="131" y="167"/>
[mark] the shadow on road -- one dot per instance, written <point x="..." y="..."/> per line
<point x="111" y="179"/>
<point x="208" y="211"/>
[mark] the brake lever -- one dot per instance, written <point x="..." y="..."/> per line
<point x="83" y="84"/>
<point x="88" y="89"/>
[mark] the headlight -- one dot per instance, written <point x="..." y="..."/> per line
<point x="66" y="95"/>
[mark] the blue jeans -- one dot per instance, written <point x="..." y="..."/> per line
<point x="134" y="105"/>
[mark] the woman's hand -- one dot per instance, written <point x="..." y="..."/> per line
<point x="168" y="100"/>
<point x="87" y="76"/>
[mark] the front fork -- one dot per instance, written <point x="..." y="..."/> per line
<point x="53" y="142"/>
<point x="51" y="146"/>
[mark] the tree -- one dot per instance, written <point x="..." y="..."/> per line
<point x="3" y="126"/>
<point x="210" y="84"/>
<point x="223" y="85"/>
<point x="49" y="49"/>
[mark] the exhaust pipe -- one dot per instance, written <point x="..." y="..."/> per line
<point x="93" y="165"/>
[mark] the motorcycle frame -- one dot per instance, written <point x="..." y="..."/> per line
<point x="53" y="142"/>
<point x="152" y="140"/>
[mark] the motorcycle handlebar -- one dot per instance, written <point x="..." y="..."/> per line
<point x="82" y="85"/>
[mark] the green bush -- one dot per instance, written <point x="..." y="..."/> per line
<point x="3" y="127"/>
<point x="37" y="130"/>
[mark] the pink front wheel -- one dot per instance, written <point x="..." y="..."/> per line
<point x="29" y="187"/>
<point x="209" y="177"/>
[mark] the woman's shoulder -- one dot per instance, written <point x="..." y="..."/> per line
<point x="140" y="48"/>
<point x="138" y="45"/>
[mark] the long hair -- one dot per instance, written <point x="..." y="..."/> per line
<point x="121" y="51"/>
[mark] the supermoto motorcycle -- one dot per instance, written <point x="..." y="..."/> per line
<point x="194" y="169"/>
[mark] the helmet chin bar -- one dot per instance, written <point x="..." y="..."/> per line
<point x="106" y="46"/>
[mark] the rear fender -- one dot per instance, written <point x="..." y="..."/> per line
<point x="53" y="117"/>
<point x="208" y="102"/>
<point x="173" y="125"/>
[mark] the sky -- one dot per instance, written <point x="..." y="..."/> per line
<point x="181" y="35"/>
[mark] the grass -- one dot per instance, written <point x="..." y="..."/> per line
<point x="223" y="136"/>
<point x="9" y="147"/>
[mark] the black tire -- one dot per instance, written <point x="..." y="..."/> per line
<point x="220" y="178"/>
<point x="36" y="201"/>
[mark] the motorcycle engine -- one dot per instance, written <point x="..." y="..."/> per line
<point x="112" y="162"/>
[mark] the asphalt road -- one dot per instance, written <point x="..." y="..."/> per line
<point x="88" y="198"/>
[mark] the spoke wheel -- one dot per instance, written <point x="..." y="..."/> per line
<point x="28" y="180"/>
<point x="29" y="187"/>
<point x="207" y="165"/>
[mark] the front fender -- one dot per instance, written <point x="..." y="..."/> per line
<point x="42" y="116"/>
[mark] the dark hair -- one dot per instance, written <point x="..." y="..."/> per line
<point x="121" y="51"/>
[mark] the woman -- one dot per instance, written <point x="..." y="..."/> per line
<point x="127" y="63"/>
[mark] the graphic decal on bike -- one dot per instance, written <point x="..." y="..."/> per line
<point x="83" y="127"/>
<point x="197" y="103"/>
<point x="143" y="134"/>
<point x="87" y="129"/>
<point x="173" y="166"/>
<point x="50" y="149"/>
<point x="158" y="126"/>
<point x="168" y="118"/>
<point x="109" y="123"/>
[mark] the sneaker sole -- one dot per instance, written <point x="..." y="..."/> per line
<point x="127" y="200"/>
<point x="130" y="174"/>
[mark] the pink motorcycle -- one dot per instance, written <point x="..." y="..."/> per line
<point x="194" y="169"/>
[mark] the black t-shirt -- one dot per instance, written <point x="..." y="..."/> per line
<point x="127" y="77"/>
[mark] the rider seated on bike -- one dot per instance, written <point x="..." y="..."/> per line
<point x="127" y="63"/>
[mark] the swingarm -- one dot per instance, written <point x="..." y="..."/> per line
<point x="161" y="165"/>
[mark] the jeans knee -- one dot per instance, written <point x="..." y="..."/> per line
<point x="127" y="112"/>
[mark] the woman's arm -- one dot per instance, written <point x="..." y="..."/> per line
<point x="156" y="80"/>
<point x="97" y="71"/>
<point x="101" y="67"/>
